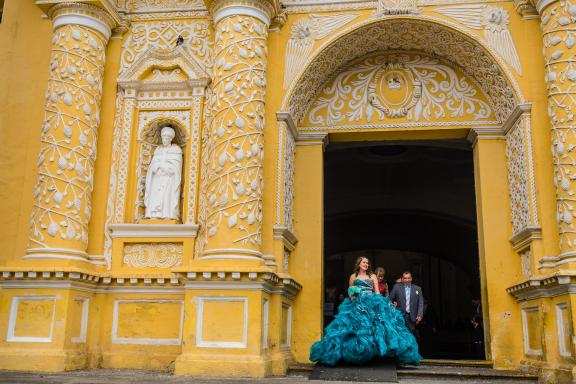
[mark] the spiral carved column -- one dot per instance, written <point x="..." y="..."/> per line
<point x="61" y="206"/>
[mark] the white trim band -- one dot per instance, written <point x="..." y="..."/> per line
<point x="152" y="230"/>
<point x="233" y="10"/>
<point x="85" y="21"/>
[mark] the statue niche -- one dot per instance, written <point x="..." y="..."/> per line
<point x="160" y="174"/>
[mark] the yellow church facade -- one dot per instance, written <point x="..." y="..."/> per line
<point x="256" y="92"/>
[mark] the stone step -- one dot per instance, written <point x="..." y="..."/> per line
<point x="440" y="370"/>
<point x="464" y="372"/>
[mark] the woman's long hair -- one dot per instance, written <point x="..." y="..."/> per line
<point x="357" y="266"/>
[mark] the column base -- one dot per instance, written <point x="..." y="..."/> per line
<point x="281" y="362"/>
<point x="145" y="359"/>
<point x="42" y="360"/>
<point x="219" y="365"/>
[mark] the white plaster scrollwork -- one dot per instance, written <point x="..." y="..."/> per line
<point x="153" y="94"/>
<point x="289" y="155"/>
<point x="419" y="33"/>
<point x="394" y="85"/>
<point x="494" y="22"/>
<point x="518" y="183"/>
<point x="303" y="35"/>
<point x="161" y="5"/>
<point x="162" y="35"/>
<point x="62" y="204"/>
<point x="234" y="182"/>
<point x="153" y="255"/>
<point x="205" y="151"/>
<point x="558" y="21"/>
<point x="285" y="176"/>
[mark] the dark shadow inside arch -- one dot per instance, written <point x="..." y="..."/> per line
<point x="408" y="206"/>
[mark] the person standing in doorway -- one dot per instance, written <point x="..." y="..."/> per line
<point x="477" y="328"/>
<point x="408" y="298"/>
<point x="382" y="284"/>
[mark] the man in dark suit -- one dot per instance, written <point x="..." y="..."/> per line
<point x="408" y="298"/>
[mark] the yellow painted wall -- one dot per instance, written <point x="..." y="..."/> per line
<point x="25" y="48"/>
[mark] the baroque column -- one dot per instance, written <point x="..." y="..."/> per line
<point x="61" y="207"/>
<point x="233" y="186"/>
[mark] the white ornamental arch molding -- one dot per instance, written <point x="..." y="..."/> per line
<point x="432" y="37"/>
<point x="418" y="33"/>
<point x="162" y="85"/>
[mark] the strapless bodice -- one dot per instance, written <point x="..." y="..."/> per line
<point x="367" y="286"/>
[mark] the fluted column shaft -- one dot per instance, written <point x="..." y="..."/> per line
<point x="61" y="206"/>
<point x="234" y="184"/>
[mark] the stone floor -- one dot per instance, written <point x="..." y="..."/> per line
<point x="108" y="376"/>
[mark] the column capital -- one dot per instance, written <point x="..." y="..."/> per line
<point x="86" y="15"/>
<point x="526" y="8"/>
<point x="263" y="10"/>
<point x="541" y="5"/>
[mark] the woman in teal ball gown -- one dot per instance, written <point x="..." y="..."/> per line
<point x="367" y="326"/>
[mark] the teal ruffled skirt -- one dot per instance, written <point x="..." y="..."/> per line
<point x="366" y="328"/>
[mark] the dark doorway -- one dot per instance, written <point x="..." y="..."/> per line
<point x="407" y="206"/>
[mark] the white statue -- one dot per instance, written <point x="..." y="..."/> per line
<point x="162" y="193"/>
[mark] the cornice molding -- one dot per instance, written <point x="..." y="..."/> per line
<point x="263" y="10"/>
<point x="541" y="5"/>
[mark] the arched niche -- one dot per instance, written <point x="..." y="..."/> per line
<point x="148" y="139"/>
<point x="159" y="86"/>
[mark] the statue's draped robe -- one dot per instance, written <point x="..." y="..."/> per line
<point x="162" y="193"/>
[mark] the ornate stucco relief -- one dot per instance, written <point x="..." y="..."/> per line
<point x="234" y="183"/>
<point x="285" y="177"/>
<point x="420" y="33"/>
<point x="558" y="21"/>
<point x="521" y="184"/>
<point x="62" y="196"/>
<point x="303" y="35"/>
<point x="159" y="5"/>
<point x="163" y="34"/>
<point x="303" y="6"/>
<point x="153" y="255"/>
<point x="493" y="21"/>
<point x="164" y="94"/>
<point x="400" y="87"/>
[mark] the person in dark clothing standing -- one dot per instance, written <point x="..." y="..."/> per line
<point x="408" y="298"/>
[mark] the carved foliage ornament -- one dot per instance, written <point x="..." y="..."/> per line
<point x="235" y="178"/>
<point x="420" y="35"/>
<point x="153" y="255"/>
<point x="558" y="22"/>
<point x="161" y="5"/>
<point x="398" y="85"/>
<point x="69" y="133"/>
<point x="518" y="177"/>
<point x="162" y="35"/>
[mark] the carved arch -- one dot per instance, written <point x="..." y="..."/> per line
<point x="432" y="36"/>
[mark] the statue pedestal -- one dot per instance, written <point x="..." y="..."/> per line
<point x="158" y="221"/>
